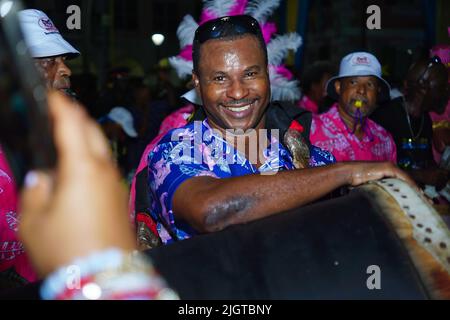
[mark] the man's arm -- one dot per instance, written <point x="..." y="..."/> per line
<point x="210" y="204"/>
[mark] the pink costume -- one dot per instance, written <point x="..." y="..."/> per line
<point x="437" y="118"/>
<point x="307" y="104"/>
<point x="12" y="254"/>
<point x="443" y="51"/>
<point x="176" y="119"/>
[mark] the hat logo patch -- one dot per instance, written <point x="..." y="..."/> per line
<point x="361" y="61"/>
<point x="47" y="25"/>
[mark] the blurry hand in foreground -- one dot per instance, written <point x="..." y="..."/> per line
<point x="81" y="207"/>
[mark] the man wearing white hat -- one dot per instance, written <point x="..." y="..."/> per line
<point x="48" y="48"/>
<point x="118" y="127"/>
<point x="123" y="118"/>
<point x="345" y="130"/>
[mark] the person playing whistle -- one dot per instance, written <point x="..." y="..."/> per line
<point x="345" y="130"/>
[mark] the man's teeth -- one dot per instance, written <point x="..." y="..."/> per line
<point x="240" y="109"/>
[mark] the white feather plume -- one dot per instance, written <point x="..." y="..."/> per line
<point x="186" y="30"/>
<point x="282" y="88"/>
<point x="218" y="7"/>
<point x="182" y="67"/>
<point x="278" y="47"/>
<point x="261" y="9"/>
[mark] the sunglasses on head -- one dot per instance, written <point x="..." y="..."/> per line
<point x="223" y="27"/>
<point x="431" y="62"/>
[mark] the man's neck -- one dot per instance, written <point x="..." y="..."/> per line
<point x="412" y="103"/>
<point x="247" y="142"/>
<point x="412" y="109"/>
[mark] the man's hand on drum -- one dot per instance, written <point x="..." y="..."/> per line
<point x="363" y="172"/>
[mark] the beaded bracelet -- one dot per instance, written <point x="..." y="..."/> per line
<point x="108" y="275"/>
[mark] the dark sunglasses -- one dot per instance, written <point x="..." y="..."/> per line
<point x="221" y="27"/>
<point x="431" y="62"/>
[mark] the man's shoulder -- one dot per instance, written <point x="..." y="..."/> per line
<point x="330" y="113"/>
<point x="322" y="119"/>
<point x="178" y="134"/>
<point x="316" y="122"/>
<point x="172" y="138"/>
<point x="281" y="114"/>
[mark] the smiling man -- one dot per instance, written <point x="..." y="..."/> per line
<point x="345" y="130"/>
<point x="235" y="89"/>
<point x="202" y="179"/>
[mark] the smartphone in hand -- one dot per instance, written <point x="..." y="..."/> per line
<point x="25" y="126"/>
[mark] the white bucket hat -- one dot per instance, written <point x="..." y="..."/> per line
<point x="42" y="37"/>
<point x="123" y="117"/>
<point x="360" y="64"/>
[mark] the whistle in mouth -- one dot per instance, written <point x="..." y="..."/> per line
<point x="358" y="103"/>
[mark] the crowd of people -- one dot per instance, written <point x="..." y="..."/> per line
<point x="232" y="155"/>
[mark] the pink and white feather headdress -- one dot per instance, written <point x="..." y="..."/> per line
<point x="283" y="86"/>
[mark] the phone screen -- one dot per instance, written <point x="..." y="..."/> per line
<point x="25" y="127"/>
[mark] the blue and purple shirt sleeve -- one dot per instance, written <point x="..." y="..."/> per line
<point x="320" y="157"/>
<point x="167" y="170"/>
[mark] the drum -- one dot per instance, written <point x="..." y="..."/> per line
<point x="381" y="241"/>
<point x="420" y="229"/>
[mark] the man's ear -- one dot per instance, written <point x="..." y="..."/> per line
<point x="196" y="82"/>
<point x="405" y="84"/>
<point x="405" y="87"/>
<point x="337" y="87"/>
<point x="315" y="86"/>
